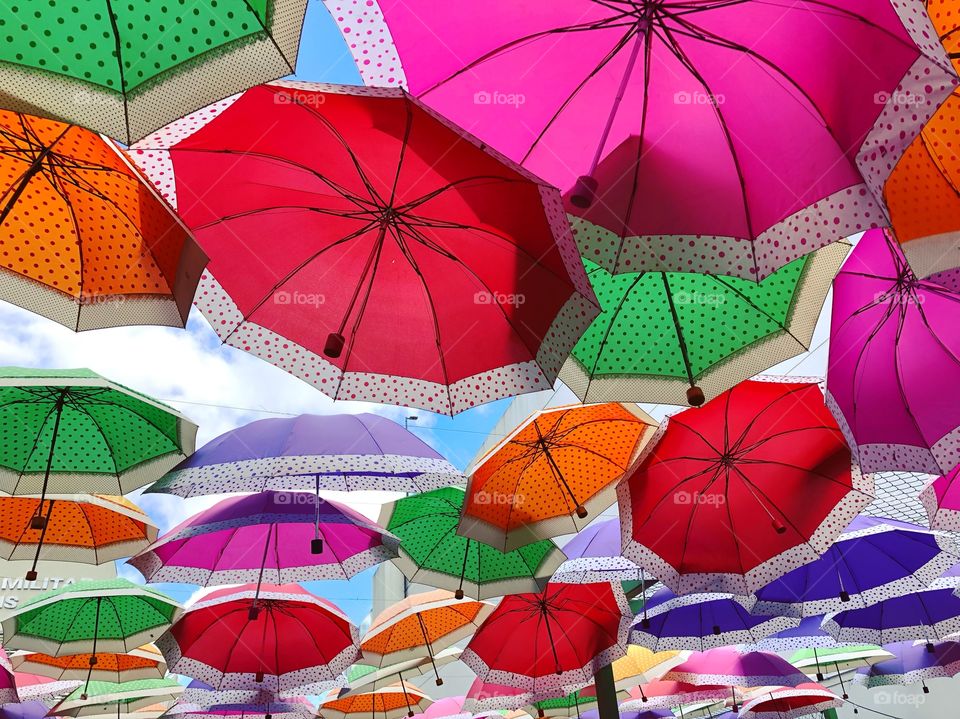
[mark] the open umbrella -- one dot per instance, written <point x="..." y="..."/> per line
<point x="930" y="615"/>
<point x="641" y="665"/>
<point x="893" y="348"/>
<point x="32" y="709"/>
<point x="339" y="452"/>
<point x="431" y="552"/>
<point x="790" y="702"/>
<point x="941" y="499"/>
<point x="566" y="706"/>
<point x="912" y="663"/>
<point x="727" y="666"/>
<point x="145" y="662"/>
<point x="130" y="695"/>
<point x="272" y="644"/>
<point x="40" y="688"/>
<point x="272" y="537"/>
<point x="659" y="339"/>
<point x="593" y="555"/>
<point x="837" y="660"/>
<point x="392" y="702"/>
<point x="199" y="703"/>
<point x="635" y="714"/>
<point x="365" y="675"/>
<point x="556" y="469"/>
<point x="8" y="684"/>
<point x="753" y="484"/>
<point x="361" y="197"/>
<point x="487" y="697"/>
<point x="661" y="694"/>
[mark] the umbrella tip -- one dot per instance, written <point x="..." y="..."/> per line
<point x="930" y="647"/>
<point x="410" y="713"/>
<point x="253" y="612"/>
<point x="31" y="575"/>
<point x="581" y="511"/>
<point x="695" y="396"/>
<point x="334" y="345"/>
<point x="83" y="696"/>
<point x="38" y="521"/>
<point x="458" y="594"/>
<point x="926" y="689"/>
<point x="316" y="546"/>
<point x="439" y="681"/>
<point x="93" y="660"/>
<point x="778" y="526"/>
<point x="844" y="596"/>
<point x="716" y="630"/>
<point x="259" y="677"/>
<point x="584" y="192"/>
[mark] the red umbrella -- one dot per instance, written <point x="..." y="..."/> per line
<point x="736" y="493"/>
<point x="551" y="643"/>
<point x="372" y="249"/>
<point x="279" y="638"/>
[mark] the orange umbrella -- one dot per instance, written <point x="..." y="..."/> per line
<point x="397" y="700"/>
<point x="86" y="241"/>
<point x="556" y="470"/>
<point x="145" y="662"/>
<point x="91" y="529"/>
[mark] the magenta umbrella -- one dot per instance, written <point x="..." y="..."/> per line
<point x="268" y="537"/>
<point x="688" y="135"/>
<point x="728" y="666"/>
<point x="894" y="362"/>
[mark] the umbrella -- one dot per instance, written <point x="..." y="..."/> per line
<point x="658" y="338"/>
<point x="93" y="529"/>
<point x="199" y="703"/>
<point x="103" y="615"/>
<point x="271" y="645"/>
<point x="422" y="624"/>
<point x="716" y="504"/>
<point x="145" y="662"/>
<point x="431" y="552"/>
<point x="807" y="634"/>
<point x="24" y="710"/>
<point x="392" y="702"/>
<point x="76" y="430"/>
<point x="110" y="251"/>
<point x="446" y="708"/>
<point x="837" y="659"/>
<point x="893" y="347"/>
<point x="912" y="663"/>
<point x="130" y="695"/>
<point x="727" y="666"/>
<point x="340" y="452"/>
<point x="873" y="559"/>
<point x="558" y="467"/>
<point x="790" y="702"/>
<point x="41" y="688"/>
<point x="665" y="121"/>
<point x="363" y="675"/>
<point x="593" y="555"/>
<point x="930" y="615"/>
<point x="8" y="684"/>
<point x="566" y="706"/>
<point x="553" y="642"/>
<point x="702" y="621"/>
<point x="138" y="66"/>
<point x="941" y="499"/>
<point x="662" y="694"/>
<point x="273" y="537"/>
<point x="635" y="714"/>
<point x="363" y="196"/>
<point x="642" y="665"/>
<point x="487" y="697"/>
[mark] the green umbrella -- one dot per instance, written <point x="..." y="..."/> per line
<point x="70" y="431"/>
<point x="433" y="553"/>
<point x="97" y="696"/>
<point x="567" y="706"/>
<point x="362" y="675"/>
<point x="128" y="68"/>
<point x="838" y="659"/>
<point x="112" y="615"/>
<point x="682" y="338"/>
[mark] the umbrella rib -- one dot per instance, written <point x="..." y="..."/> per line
<point x="609" y="329"/>
<point x="36" y="445"/>
<point x="118" y="49"/>
<point x="722" y="281"/>
<point x="408" y="127"/>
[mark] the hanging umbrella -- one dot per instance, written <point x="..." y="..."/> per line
<point x="941" y="499"/>
<point x="912" y="663"/>
<point x="893" y="347"/>
<point x="24" y="710"/>
<point x="198" y="703"/>
<point x="930" y="615"/>
<point x="339" y="452"/>
<point x="272" y="537"/>
<point x="446" y="708"/>
<point x="658" y="338"/>
<point x="273" y="647"/>
<point x="641" y="665"/>
<point x="790" y="702"/>
<point x="102" y="615"/>
<point x="556" y="469"/>
<point x="422" y="624"/>
<point x="92" y="529"/>
<point x="365" y="675"/>
<point x="40" y="688"/>
<point x="144" y="662"/>
<point x="662" y="694"/>
<point x="392" y="702"/>
<point x="8" y="684"/>
<point x="551" y="642"/>
<point x="807" y="634"/>
<point x="487" y="697"/>
<point x="716" y="505"/>
<point x="431" y="552"/>
<point x="131" y="695"/>
<point x="566" y="706"/>
<point x="727" y="666"/>
<point x="635" y="714"/>
<point x="401" y="204"/>
<point x="837" y="660"/>
<point x="77" y="430"/>
<point x="665" y="121"/>
<point x="873" y="559"/>
<point x="702" y="621"/>
<point x="593" y="555"/>
<point x="111" y="252"/>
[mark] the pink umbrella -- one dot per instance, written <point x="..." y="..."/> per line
<point x="488" y="696"/>
<point x="690" y="136"/>
<point x="446" y="708"/>
<point x="662" y="694"/>
<point x="894" y="361"/>
<point x="941" y="499"/>
<point x="727" y="666"/>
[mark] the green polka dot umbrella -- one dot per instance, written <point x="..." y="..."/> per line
<point x="128" y="68"/>
<point x="97" y="698"/>
<point x="71" y="431"/>
<point x="681" y="338"/>
<point x="113" y="615"/>
<point x="431" y="551"/>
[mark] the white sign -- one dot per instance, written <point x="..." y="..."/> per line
<point x="15" y="589"/>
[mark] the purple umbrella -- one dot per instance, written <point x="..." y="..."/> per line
<point x="808" y="634"/>
<point x="269" y="537"/>
<point x="912" y="663"/>
<point x="593" y="555"/>
<point x="931" y="615"/>
<point x="701" y="621"/>
<point x="24" y="710"/>
<point x="337" y="452"/>
<point x="200" y="701"/>
<point x="632" y="714"/>
<point x="874" y="559"/>
<point x="894" y="361"/>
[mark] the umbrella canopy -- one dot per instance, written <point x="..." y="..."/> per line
<point x="912" y="663"/>
<point x="635" y="714"/>
<point x="79" y="74"/>
<point x="341" y="452"/>
<point x="199" y="703"/>
<point x="715" y="506"/>
<point x="941" y="499"/>
<point x="272" y="537"/>
<point x="112" y="252"/>
<point x="702" y="621"/>
<point x="274" y="647"/>
<point x="488" y="697"/>
<point x="24" y="710"/>
<point x="401" y="204"/>
<point x="873" y="559"/>
<point x="657" y="338"/>
<point x="104" y="615"/>
<point x="552" y="642"/>
<point x="727" y="666"/>
<point x="392" y="702"/>
<point x="566" y="706"/>
<point x="131" y="695"/>
<point x="662" y="694"/>
<point x="642" y="665"/>
<point x="593" y="555"/>
<point x="431" y="552"/>
<point x="8" y="684"/>
<point x="77" y="430"/>
<point x="807" y="634"/>
<point x="145" y="662"/>
<point x="930" y="615"/>
<point x="893" y="347"/>
<point x="665" y="121"/>
<point x="421" y="625"/>
<point x="365" y="675"/>
<point x="790" y="702"/>
<point x="556" y="469"/>
<point x="838" y="659"/>
<point x="41" y="688"/>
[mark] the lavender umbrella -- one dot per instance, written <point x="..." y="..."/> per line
<point x="874" y="559"/>
<point x="912" y="663"/>
<point x="340" y="452"/>
<point x="932" y="614"/>
<point x="808" y="633"/>
<point x="632" y="714"/>
<point x="24" y="710"/>
<point x="270" y="537"/>
<point x="593" y="555"/>
<point x="894" y="354"/>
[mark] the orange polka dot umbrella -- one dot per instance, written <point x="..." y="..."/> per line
<point x="554" y="474"/>
<point x="392" y="702"/>
<point x="84" y="240"/>
<point x="145" y="662"/>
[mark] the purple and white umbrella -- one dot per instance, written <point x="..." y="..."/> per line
<point x="930" y="615"/>
<point x="808" y="634"/>
<point x="632" y="714"/>
<point x="594" y="555"/>
<point x="197" y="703"/>
<point x="727" y="666"/>
<point x="336" y="452"/>
<point x="912" y="663"/>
